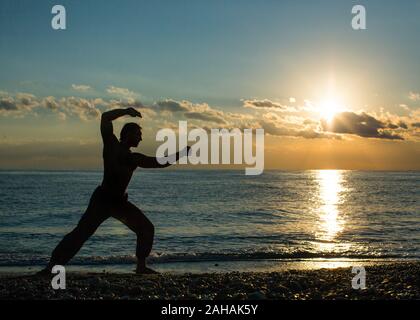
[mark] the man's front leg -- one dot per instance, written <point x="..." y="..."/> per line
<point x="142" y="269"/>
<point x="137" y="221"/>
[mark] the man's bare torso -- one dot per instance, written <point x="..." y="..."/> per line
<point x="118" y="168"/>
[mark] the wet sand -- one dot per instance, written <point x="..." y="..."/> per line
<point x="386" y="281"/>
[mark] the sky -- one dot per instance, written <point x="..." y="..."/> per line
<point x="327" y="96"/>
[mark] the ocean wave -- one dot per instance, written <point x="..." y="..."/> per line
<point x="156" y="258"/>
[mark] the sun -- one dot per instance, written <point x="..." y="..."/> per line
<point x="329" y="108"/>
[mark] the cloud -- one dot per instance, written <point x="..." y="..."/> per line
<point x="263" y="104"/>
<point x="310" y="122"/>
<point x="414" y="96"/>
<point x="272" y="129"/>
<point x="122" y="92"/>
<point x="402" y="125"/>
<point x="383" y="125"/>
<point x="83" y="108"/>
<point x="392" y="126"/>
<point x="80" y="87"/>
<point x="363" y="125"/>
<point x="271" y="116"/>
<point x="19" y="104"/>
<point x="193" y="111"/>
<point x="27" y="100"/>
<point x="126" y="104"/>
<point x="198" y="111"/>
<point x="277" y="125"/>
<point x="146" y="111"/>
<point x="206" y="116"/>
<point x="172" y="105"/>
<point x="8" y="104"/>
<point x="50" y="103"/>
<point x="166" y="106"/>
<point x="239" y="116"/>
<point x="203" y="112"/>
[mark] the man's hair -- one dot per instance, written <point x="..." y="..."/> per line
<point x="127" y="128"/>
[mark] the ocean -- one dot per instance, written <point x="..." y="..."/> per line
<point x="209" y="221"/>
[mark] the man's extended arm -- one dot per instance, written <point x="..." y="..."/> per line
<point x="108" y="116"/>
<point x="143" y="161"/>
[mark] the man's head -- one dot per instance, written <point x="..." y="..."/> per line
<point x="130" y="134"/>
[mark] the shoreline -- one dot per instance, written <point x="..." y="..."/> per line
<point x="399" y="280"/>
<point x="214" y="266"/>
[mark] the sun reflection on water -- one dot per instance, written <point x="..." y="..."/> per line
<point x="330" y="221"/>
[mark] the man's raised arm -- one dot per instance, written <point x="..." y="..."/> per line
<point x="143" y="161"/>
<point x="108" y="116"/>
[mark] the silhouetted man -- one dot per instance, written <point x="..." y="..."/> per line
<point x="110" y="198"/>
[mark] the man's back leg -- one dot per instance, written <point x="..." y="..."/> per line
<point x="95" y="214"/>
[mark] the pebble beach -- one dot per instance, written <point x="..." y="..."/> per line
<point x="386" y="281"/>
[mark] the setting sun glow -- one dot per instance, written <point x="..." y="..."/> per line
<point x="329" y="108"/>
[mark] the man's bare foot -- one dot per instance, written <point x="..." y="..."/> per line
<point x="145" y="270"/>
